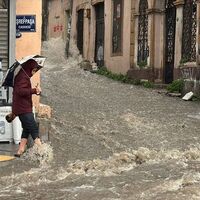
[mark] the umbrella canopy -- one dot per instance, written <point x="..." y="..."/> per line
<point x="12" y="71"/>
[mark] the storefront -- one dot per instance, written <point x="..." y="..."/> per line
<point x="26" y="17"/>
<point x="7" y="39"/>
<point x="7" y="32"/>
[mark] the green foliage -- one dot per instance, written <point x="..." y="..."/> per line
<point x="137" y="82"/>
<point x="176" y="86"/>
<point x="117" y="77"/>
<point x="142" y="64"/>
<point x="148" y="84"/>
<point x="183" y="60"/>
<point x="123" y="78"/>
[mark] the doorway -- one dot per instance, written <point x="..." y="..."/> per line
<point x="99" y="42"/>
<point x="170" y="40"/>
<point x="80" y="31"/>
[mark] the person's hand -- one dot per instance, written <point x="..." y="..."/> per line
<point x="10" y="117"/>
<point x="38" y="89"/>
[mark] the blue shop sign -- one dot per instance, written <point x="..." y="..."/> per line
<point x="25" y="23"/>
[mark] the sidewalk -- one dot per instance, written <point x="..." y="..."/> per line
<point x="7" y="149"/>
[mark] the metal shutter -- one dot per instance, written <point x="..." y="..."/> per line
<point x="4" y="37"/>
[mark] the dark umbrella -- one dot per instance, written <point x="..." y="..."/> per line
<point x="12" y="71"/>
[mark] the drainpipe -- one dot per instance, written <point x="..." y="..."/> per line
<point x="69" y="33"/>
<point x="153" y="62"/>
<point x="153" y="42"/>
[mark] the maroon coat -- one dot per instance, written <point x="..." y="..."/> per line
<point x="22" y="91"/>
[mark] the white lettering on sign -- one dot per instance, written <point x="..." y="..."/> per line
<point x="25" y="21"/>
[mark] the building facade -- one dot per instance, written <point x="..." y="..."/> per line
<point x="146" y="39"/>
<point x="30" y="42"/>
<point x="7" y="32"/>
<point x="98" y="25"/>
<point x="26" y="16"/>
<point x="57" y="21"/>
<point x="58" y="18"/>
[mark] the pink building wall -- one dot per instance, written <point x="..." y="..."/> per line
<point x="30" y="42"/>
<point x="117" y="64"/>
<point x="57" y="18"/>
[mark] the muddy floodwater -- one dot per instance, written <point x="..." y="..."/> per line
<point x="108" y="141"/>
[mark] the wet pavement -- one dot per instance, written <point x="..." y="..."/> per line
<point x="7" y="148"/>
<point x="110" y="141"/>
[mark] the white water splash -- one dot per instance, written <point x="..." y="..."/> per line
<point x="126" y="161"/>
<point x="42" y="154"/>
<point x="54" y="50"/>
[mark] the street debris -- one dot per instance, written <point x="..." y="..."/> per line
<point x="188" y="96"/>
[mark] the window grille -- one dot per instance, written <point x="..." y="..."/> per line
<point x="143" y="49"/>
<point x="117" y="26"/>
<point x="189" y="31"/>
<point x="170" y="30"/>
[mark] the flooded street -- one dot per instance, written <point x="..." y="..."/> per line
<point x="108" y="141"/>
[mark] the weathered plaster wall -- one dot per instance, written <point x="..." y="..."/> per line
<point x="30" y="42"/>
<point x="57" y="18"/>
<point x="118" y="64"/>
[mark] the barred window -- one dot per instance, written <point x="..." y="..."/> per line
<point x="189" y="31"/>
<point x="117" y="26"/>
<point x="143" y="50"/>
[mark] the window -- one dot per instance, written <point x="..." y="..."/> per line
<point x="189" y="31"/>
<point x="143" y="49"/>
<point x="117" y="27"/>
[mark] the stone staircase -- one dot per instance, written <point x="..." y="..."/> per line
<point x="4" y="37"/>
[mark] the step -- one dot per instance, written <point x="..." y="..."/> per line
<point x="160" y="85"/>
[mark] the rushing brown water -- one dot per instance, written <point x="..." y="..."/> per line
<point x="108" y="141"/>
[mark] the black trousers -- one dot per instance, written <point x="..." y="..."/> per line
<point x="29" y="126"/>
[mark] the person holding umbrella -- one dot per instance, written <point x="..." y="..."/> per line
<point x="18" y="76"/>
<point x="22" y="104"/>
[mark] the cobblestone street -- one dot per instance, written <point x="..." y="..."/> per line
<point x="111" y="141"/>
